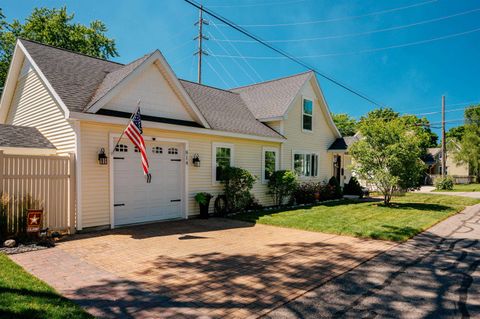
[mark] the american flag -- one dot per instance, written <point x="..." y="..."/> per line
<point x="134" y="132"/>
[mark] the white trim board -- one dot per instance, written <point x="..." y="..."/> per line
<point x="170" y="127"/>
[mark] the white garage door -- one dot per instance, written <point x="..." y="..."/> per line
<point x="135" y="200"/>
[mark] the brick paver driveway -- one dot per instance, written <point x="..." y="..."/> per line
<point x="211" y="268"/>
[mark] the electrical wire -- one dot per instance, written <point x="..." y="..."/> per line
<point x="334" y="19"/>
<point x="281" y="52"/>
<point x="226" y="71"/>
<point x="357" y="52"/>
<point x="238" y="52"/>
<point x="258" y="4"/>
<point x="405" y="26"/>
<point x="218" y="74"/>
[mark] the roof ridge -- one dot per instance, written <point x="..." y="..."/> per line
<point x="272" y="80"/>
<point x="209" y="86"/>
<point x="70" y="51"/>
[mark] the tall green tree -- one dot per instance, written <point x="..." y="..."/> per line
<point x="420" y="125"/>
<point x="455" y="133"/>
<point x="467" y="150"/>
<point x="346" y="124"/>
<point x="54" y="27"/>
<point x="388" y="156"/>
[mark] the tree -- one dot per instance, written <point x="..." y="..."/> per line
<point x="346" y="124"/>
<point x="54" y="27"/>
<point x="455" y="133"/>
<point x="420" y="125"/>
<point x="388" y="156"/>
<point x="467" y="150"/>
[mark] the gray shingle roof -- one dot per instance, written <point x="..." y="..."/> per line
<point x="82" y="80"/>
<point x="115" y="77"/>
<point x="23" y="136"/>
<point x="226" y="111"/>
<point x="75" y="77"/>
<point x="343" y="143"/>
<point x="272" y="98"/>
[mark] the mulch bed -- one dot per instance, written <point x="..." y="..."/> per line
<point x="21" y="249"/>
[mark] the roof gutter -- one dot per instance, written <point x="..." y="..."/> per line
<point x="170" y="127"/>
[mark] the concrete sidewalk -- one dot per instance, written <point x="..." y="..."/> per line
<point x="430" y="189"/>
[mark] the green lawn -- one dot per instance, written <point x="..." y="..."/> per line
<point x="24" y="296"/>
<point x="463" y="188"/>
<point x="408" y="216"/>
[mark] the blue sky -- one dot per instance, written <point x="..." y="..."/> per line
<point x="364" y="44"/>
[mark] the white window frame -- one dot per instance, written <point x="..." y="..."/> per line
<point x="214" y="158"/>
<point x="294" y="152"/>
<point x="269" y="149"/>
<point x="303" y="113"/>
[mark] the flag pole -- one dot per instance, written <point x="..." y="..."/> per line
<point x="128" y="123"/>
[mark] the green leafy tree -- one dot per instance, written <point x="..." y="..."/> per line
<point x="455" y="133"/>
<point x="388" y="156"/>
<point x="467" y="150"/>
<point x="420" y="125"/>
<point x="346" y="124"/>
<point x="54" y="27"/>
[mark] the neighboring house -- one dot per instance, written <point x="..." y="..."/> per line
<point x="82" y="104"/>
<point x="433" y="160"/>
<point x="22" y="140"/>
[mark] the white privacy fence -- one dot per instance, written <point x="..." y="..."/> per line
<point x="38" y="182"/>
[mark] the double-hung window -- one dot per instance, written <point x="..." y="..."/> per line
<point x="305" y="164"/>
<point x="307" y="115"/>
<point x="222" y="155"/>
<point x="269" y="162"/>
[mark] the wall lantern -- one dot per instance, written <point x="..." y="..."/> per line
<point x="102" y="157"/>
<point x="196" y="160"/>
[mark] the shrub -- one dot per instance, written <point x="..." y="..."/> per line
<point x="305" y="193"/>
<point x="336" y="189"/>
<point x="444" y="183"/>
<point x="281" y="185"/>
<point x="253" y="203"/>
<point x="353" y="188"/>
<point x="237" y="184"/>
<point x="203" y="198"/>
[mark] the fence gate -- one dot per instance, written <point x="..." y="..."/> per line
<point x="38" y="182"/>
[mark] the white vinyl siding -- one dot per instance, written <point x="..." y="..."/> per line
<point x="95" y="177"/>
<point x="32" y="105"/>
<point x="318" y="141"/>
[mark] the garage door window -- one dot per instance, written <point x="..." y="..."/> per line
<point x="157" y="150"/>
<point x="223" y="155"/>
<point x="121" y="148"/>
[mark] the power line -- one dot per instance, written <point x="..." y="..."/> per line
<point x="215" y="71"/>
<point x="335" y="19"/>
<point x="226" y="71"/>
<point x="238" y="52"/>
<point x="357" y="52"/>
<point x="405" y="26"/>
<point x="246" y="5"/>
<point x="281" y="52"/>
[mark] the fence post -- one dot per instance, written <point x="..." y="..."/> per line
<point x="72" y="194"/>
<point x="1" y="171"/>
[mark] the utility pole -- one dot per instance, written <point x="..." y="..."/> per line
<point x="444" y="144"/>
<point x="200" y="37"/>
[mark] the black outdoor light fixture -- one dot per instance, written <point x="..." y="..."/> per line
<point x="102" y="157"/>
<point x="196" y="160"/>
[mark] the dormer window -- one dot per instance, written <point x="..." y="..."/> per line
<point x="307" y="115"/>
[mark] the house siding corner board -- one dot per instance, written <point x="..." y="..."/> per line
<point x="317" y="141"/>
<point x="96" y="179"/>
<point x="32" y="105"/>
